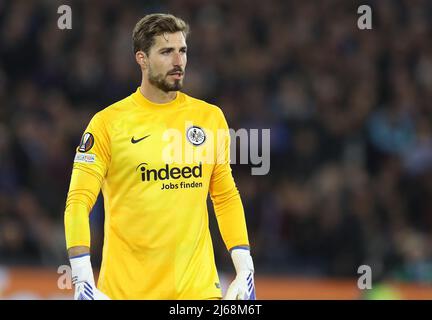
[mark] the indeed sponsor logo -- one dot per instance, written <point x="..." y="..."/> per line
<point x="168" y="172"/>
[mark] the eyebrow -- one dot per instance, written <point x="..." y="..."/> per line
<point x="170" y="48"/>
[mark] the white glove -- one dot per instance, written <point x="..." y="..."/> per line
<point x="83" y="280"/>
<point x="243" y="286"/>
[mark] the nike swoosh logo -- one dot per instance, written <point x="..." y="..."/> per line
<point x="138" y="140"/>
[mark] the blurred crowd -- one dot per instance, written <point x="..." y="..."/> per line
<point x="350" y="181"/>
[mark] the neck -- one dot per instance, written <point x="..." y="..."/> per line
<point x="156" y="95"/>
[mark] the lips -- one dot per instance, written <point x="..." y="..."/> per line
<point x="178" y="71"/>
<point x="177" y="75"/>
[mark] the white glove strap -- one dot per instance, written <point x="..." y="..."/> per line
<point x="242" y="260"/>
<point x="82" y="269"/>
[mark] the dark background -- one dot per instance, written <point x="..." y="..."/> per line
<point x="349" y="110"/>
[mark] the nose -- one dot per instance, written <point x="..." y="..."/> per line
<point x="178" y="59"/>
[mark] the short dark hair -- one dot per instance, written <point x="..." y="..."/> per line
<point x="153" y="25"/>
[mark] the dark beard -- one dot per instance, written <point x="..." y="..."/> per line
<point x="160" y="82"/>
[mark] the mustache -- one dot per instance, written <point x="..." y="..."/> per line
<point x="175" y="70"/>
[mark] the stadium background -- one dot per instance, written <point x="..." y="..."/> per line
<point x="350" y="115"/>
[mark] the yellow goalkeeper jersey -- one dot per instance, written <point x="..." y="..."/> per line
<point x="156" y="165"/>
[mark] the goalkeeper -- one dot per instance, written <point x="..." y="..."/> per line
<point x="157" y="243"/>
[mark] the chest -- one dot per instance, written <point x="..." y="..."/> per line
<point x="181" y="138"/>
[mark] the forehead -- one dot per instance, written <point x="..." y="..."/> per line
<point x="176" y="39"/>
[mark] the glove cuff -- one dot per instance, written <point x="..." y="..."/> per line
<point x="242" y="260"/>
<point x="82" y="269"/>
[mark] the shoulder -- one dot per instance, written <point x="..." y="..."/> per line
<point x="113" y="112"/>
<point x="117" y="108"/>
<point x="202" y="105"/>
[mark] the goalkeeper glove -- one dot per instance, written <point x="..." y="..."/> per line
<point x="82" y="278"/>
<point x="243" y="286"/>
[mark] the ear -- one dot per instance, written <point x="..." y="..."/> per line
<point x="142" y="59"/>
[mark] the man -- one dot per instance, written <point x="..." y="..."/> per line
<point x="157" y="243"/>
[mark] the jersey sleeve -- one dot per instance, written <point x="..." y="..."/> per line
<point x="91" y="163"/>
<point x="224" y="194"/>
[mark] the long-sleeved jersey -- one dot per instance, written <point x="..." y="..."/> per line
<point x="156" y="165"/>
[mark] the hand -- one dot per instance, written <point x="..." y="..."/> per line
<point x="87" y="291"/>
<point x="83" y="280"/>
<point x="243" y="286"/>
